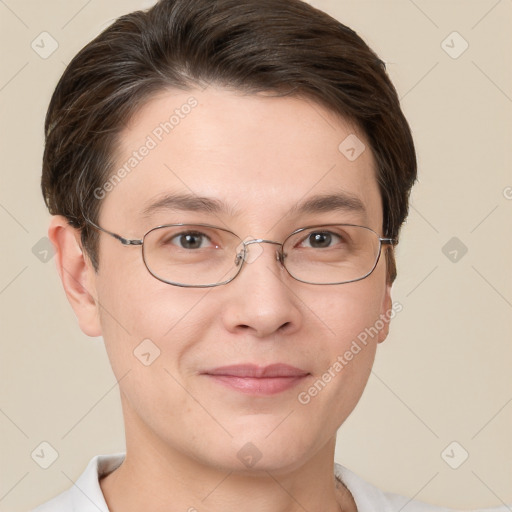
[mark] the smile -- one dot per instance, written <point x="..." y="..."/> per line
<point x="256" y="380"/>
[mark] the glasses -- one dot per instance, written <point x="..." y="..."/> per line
<point x="202" y="255"/>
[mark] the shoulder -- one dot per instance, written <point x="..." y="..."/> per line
<point x="369" y="498"/>
<point x="63" y="501"/>
<point x="85" y="494"/>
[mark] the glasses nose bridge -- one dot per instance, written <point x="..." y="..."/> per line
<point x="279" y="252"/>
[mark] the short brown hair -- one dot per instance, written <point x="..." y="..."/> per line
<point x="285" y="46"/>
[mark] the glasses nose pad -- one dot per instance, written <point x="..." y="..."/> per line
<point x="280" y="256"/>
<point x="240" y="257"/>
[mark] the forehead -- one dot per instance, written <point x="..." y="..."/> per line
<point x="257" y="157"/>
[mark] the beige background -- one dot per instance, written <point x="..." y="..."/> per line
<point x="443" y="374"/>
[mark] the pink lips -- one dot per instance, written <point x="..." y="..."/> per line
<point x="257" y="380"/>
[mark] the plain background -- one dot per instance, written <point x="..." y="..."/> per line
<point x="442" y="376"/>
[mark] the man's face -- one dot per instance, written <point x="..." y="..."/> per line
<point x="261" y="156"/>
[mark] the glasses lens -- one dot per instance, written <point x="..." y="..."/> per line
<point x="191" y="255"/>
<point x="331" y="254"/>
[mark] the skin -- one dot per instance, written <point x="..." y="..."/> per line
<point x="261" y="155"/>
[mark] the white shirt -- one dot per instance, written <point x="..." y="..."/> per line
<point x="86" y="495"/>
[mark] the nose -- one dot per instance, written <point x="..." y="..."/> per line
<point x="261" y="299"/>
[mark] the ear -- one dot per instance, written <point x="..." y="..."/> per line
<point x="76" y="273"/>
<point x="386" y="311"/>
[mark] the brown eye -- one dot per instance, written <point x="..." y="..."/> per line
<point x="190" y="240"/>
<point x="320" y="239"/>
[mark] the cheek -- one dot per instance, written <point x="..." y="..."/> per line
<point x="347" y="311"/>
<point x="149" y="335"/>
<point x="344" y="353"/>
<point x="141" y="315"/>
<point x="345" y="321"/>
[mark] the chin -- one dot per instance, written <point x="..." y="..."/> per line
<point x="262" y="447"/>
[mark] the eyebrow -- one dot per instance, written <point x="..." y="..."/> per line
<point x="322" y="203"/>
<point x="185" y="202"/>
<point x="341" y="201"/>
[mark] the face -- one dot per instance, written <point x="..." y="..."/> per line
<point x="261" y="157"/>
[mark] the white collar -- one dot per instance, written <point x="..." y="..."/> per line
<point x="86" y="495"/>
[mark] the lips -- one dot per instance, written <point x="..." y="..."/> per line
<point x="256" y="380"/>
<point x="254" y="371"/>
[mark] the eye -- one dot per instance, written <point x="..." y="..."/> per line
<point x="321" y="239"/>
<point x="190" y="240"/>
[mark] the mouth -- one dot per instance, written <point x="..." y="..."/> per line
<point x="257" y="380"/>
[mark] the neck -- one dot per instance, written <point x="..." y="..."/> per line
<point x="158" y="478"/>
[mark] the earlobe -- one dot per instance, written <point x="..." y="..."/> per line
<point x="76" y="273"/>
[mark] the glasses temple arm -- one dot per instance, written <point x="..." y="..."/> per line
<point x="124" y="241"/>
